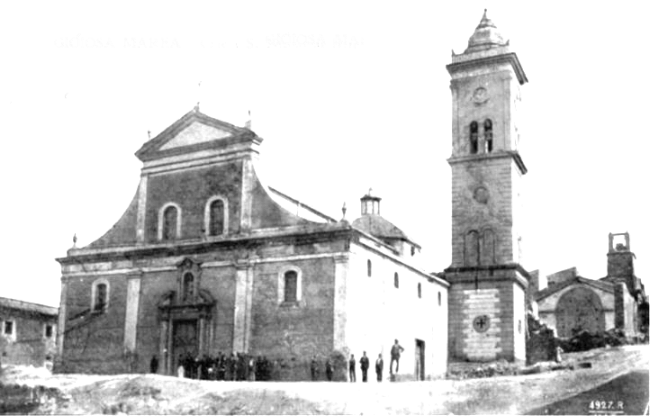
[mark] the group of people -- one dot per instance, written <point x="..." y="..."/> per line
<point x="245" y="367"/>
<point x="222" y="367"/>
<point x="364" y="363"/>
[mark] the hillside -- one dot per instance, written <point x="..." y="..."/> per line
<point x="155" y="394"/>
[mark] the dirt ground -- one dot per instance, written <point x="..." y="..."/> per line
<point x="155" y="394"/>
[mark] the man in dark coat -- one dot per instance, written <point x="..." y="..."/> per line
<point x="353" y="369"/>
<point x="395" y="352"/>
<point x="365" y="363"/>
<point x="379" y="368"/>
<point x="329" y="371"/>
<point x="314" y="369"/>
<point x="153" y="365"/>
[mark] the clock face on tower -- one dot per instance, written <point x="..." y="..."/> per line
<point x="480" y="96"/>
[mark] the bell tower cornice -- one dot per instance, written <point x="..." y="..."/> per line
<point x="469" y="62"/>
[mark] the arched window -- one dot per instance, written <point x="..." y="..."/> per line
<point x="188" y="286"/>
<point x="472" y="254"/>
<point x="99" y="296"/>
<point x="169" y="222"/>
<point x="396" y="280"/>
<point x="487" y="128"/>
<point x="473" y="137"/>
<point x="419" y="290"/>
<point x="369" y="268"/>
<point x="291" y="286"/>
<point x="488" y="249"/>
<point x="216" y="216"/>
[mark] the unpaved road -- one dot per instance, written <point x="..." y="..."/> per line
<point x="549" y="392"/>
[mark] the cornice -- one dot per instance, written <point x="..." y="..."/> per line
<point x="197" y="246"/>
<point x="509" y="57"/>
<point x="496" y="155"/>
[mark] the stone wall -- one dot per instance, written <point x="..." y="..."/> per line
<point x="191" y="191"/>
<point x="605" y="313"/>
<point x="293" y="331"/>
<point x="28" y="345"/>
<point x="483" y="294"/>
<point x="94" y="342"/>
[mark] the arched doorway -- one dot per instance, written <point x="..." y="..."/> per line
<point x="579" y="309"/>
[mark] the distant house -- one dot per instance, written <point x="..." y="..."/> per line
<point x="572" y="304"/>
<point x="27" y="332"/>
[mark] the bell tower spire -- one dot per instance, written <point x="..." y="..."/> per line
<point x="487" y="293"/>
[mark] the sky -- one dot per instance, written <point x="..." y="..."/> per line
<point x="347" y="96"/>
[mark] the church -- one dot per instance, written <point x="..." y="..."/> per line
<point x="208" y="258"/>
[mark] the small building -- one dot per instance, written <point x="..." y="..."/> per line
<point x="572" y="304"/>
<point x="27" y="332"/>
<point x="208" y="259"/>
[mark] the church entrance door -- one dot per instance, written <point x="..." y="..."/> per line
<point x="185" y="341"/>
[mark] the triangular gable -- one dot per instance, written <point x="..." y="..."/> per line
<point x="544" y="293"/>
<point x="193" y="131"/>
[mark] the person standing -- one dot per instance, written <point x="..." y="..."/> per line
<point x="395" y="353"/>
<point x="153" y="365"/>
<point x="353" y="370"/>
<point x="329" y="371"/>
<point x="365" y="363"/>
<point x="181" y="368"/>
<point x="314" y="369"/>
<point x="379" y="368"/>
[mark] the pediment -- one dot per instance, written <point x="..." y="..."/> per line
<point x="194" y="131"/>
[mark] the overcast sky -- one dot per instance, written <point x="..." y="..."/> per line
<point x="347" y="96"/>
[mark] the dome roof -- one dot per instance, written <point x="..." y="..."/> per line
<point x="485" y="36"/>
<point x="379" y="227"/>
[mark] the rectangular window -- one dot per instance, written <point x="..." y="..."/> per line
<point x="8" y="328"/>
<point x="49" y="330"/>
<point x="290" y="286"/>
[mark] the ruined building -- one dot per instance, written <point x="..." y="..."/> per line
<point x="572" y="304"/>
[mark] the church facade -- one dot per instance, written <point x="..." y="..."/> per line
<point x="209" y="259"/>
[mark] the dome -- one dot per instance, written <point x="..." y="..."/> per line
<point x="485" y="36"/>
<point x="379" y="227"/>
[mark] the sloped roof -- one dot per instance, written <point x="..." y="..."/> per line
<point x="28" y="306"/>
<point x="598" y="284"/>
<point x="380" y="227"/>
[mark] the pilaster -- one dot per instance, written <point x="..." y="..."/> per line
<point x="133" y="280"/>
<point x="247" y="194"/>
<point x="142" y="205"/>
<point x="341" y="267"/>
<point x="243" y="305"/>
<point x="63" y="307"/>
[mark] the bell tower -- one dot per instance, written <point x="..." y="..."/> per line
<point x="487" y="302"/>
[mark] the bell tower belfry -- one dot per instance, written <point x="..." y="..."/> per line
<point x="487" y="302"/>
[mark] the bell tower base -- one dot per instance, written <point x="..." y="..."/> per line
<point x="487" y="313"/>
